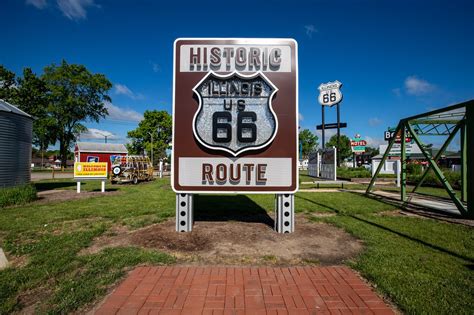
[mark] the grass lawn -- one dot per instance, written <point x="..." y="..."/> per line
<point x="424" y="266"/>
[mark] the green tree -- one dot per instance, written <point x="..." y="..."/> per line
<point x="29" y="93"/>
<point x="308" y="141"/>
<point x="75" y="95"/>
<point x="32" y="97"/>
<point x="141" y="137"/>
<point x="344" y="148"/>
<point x="7" y="84"/>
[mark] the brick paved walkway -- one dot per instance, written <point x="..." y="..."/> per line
<point x="228" y="290"/>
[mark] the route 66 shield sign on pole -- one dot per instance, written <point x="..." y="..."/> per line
<point x="235" y="116"/>
<point x="330" y="93"/>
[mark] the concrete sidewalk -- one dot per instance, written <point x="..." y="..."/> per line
<point x="243" y="290"/>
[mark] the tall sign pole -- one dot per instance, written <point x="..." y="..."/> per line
<point x="323" y="126"/>
<point x="338" y="135"/>
<point x="330" y="95"/>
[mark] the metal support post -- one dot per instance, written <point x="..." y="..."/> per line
<point x="338" y="134"/>
<point x="463" y="164"/>
<point x="184" y="212"/>
<point x="398" y="171"/>
<point x="102" y="186"/>
<point x="78" y="187"/>
<point x="469" y="161"/>
<point x="284" y="213"/>
<point x="322" y="129"/>
<point x="403" y="161"/>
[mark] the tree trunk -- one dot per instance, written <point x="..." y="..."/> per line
<point x="63" y="153"/>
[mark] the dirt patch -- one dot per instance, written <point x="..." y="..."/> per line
<point x="31" y="299"/>
<point x="48" y="196"/>
<point x="115" y="237"/>
<point x="237" y="243"/>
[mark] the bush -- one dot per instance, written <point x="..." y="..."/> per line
<point x="454" y="179"/>
<point x="414" y="169"/>
<point x="348" y="173"/>
<point x="17" y="195"/>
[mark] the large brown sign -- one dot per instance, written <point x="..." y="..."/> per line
<point x="235" y="113"/>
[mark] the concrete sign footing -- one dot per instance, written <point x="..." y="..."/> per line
<point x="184" y="212"/>
<point x="284" y="213"/>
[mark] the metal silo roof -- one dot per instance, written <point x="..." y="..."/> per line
<point x="9" y="108"/>
<point x="101" y="147"/>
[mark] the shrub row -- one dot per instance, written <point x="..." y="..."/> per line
<point x="17" y="195"/>
<point x="348" y="173"/>
<point x="454" y="179"/>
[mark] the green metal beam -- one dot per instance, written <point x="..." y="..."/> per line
<point x="439" y="173"/>
<point x="403" y="163"/>
<point x="434" y="121"/>
<point x="442" y="110"/>
<point x="440" y="152"/>
<point x="390" y="145"/>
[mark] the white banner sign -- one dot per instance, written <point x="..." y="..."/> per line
<point x="238" y="172"/>
<point x="228" y="58"/>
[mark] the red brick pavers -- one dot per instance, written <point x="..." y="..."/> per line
<point x="246" y="290"/>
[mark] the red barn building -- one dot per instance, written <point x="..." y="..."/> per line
<point x="98" y="152"/>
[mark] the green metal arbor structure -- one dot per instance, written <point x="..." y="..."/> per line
<point x="448" y="122"/>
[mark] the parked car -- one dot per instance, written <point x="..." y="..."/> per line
<point x="131" y="169"/>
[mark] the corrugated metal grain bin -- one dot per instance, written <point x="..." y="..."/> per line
<point x="16" y="129"/>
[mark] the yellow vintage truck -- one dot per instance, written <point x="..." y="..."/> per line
<point x="131" y="169"/>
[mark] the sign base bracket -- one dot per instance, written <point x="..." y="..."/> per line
<point x="184" y="212"/>
<point x="284" y="213"/>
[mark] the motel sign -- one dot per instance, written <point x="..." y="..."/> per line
<point x="235" y="118"/>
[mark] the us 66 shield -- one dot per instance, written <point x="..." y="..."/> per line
<point x="239" y="109"/>
<point x="235" y="115"/>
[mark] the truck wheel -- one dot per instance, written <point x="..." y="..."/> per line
<point x="135" y="180"/>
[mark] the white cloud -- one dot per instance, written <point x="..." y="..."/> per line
<point x="39" y="4"/>
<point x="117" y="113"/>
<point x="374" y="142"/>
<point x="75" y="9"/>
<point x="328" y="133"/>
<point x="310" y="29"/>
<point x="374" y="121"/>
<point x="72" y="9"/>
<point x="416" y="86"/>
<point x="300" y="117"/>
<point x="93" y="133"/>
<point x="122" y="89"/>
